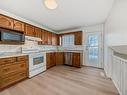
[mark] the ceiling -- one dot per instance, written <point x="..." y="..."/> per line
<point x="70" y="14"/>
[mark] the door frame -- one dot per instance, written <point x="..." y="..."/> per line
<point x="100" y="65"/>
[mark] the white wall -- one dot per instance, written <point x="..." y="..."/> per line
<point x="115" y="29"/>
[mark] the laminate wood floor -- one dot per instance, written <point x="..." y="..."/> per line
<point x="64" y="80"/>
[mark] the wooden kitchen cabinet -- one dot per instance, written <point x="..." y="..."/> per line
<point x="12" y="70"/>
<point x="49" y="38"/>
<point x="6" y="22"/>
<point x="38" y="32"/>
<point x="45" y="37"/>
<point x="78" y="38"/>
<point x="29" y="30"/>
<point x="76" y="60"/>
<point x="53" y="59"/>
<point x="50" y="60"/>
<point x="60" y="58"/>
<point x="18" y="25"/>
<point x="54" y="39"/>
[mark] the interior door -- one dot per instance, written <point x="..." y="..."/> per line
<point x="93" y="49"/>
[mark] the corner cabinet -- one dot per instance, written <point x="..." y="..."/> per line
<point x="59" y="58"/>
<point x="13" y="70"/>
<point x="6" y="22"/>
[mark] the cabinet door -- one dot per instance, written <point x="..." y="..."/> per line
<point x="59" y="58"/>
<point x="38" y="32"/>
<point x="20" y="26"/>
<point x="76" y="61"/>
<point x="6" y="22"/>
<point x="29" y="30"/>
<point x="54" y="39"/>
<point x="48" y="60"/>
<point x="78" y="38"/>
<point x="53" y="57"/>
<point x="49" y="38"/>
<point x="45" y="37"/>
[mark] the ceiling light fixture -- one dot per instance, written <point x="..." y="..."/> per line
<point x="51" y="4"/>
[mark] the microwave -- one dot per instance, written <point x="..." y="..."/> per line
<point x="11" y="36"/>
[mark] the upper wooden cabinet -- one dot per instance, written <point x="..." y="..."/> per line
<point x="43" y="36"/>
<point x="78" y="38"/>
<point x="18" y="25"/>
<point x="29" y="30"/>
<point x="49" y="38"/>
<point x="6" y="22"/>
<point x="37" y="32"/>
<point x="54" y="39"/>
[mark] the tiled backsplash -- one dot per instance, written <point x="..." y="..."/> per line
<point x="34" y="44"/>
<point x="10" y="48"/>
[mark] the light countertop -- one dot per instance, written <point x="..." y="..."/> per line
<point x="10" y="54"/>
<point x="15" y="54"/>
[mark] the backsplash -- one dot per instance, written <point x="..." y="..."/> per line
<point x="34" y="44"/>
<point x="71" y="47"/>
<point x="10" y="48"/>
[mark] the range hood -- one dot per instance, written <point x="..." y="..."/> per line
<point x="29" y="38"/>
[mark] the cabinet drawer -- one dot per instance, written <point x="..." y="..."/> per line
<point x="22" y="58"/>
<point x="4" y="82"/>
<point x="12" y="68"/>
<point x="7" y="61"/>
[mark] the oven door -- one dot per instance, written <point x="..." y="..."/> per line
<point x="36" y="60"/>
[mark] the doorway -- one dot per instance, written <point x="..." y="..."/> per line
<point x="93" y="55"/>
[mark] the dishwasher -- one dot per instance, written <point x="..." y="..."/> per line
<point x="68" y="58"/>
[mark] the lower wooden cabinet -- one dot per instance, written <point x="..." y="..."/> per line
<point x="58" y="58"/>
<point x="12" y="70"/>
<point x="50" y="60"/>
<point x="76" y="60"/>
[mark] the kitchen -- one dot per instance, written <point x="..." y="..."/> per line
<point x="30" y="39"/>
<point x="52" y="48"/>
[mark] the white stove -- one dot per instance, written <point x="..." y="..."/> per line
<point x="37" y="60"/>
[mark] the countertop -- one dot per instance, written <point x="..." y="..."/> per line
<point x="10" y="54"/>
<point x="16" y="54"/>
<point x="48" y="51"/>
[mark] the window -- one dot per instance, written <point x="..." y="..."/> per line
<point x="68" y="40"/>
